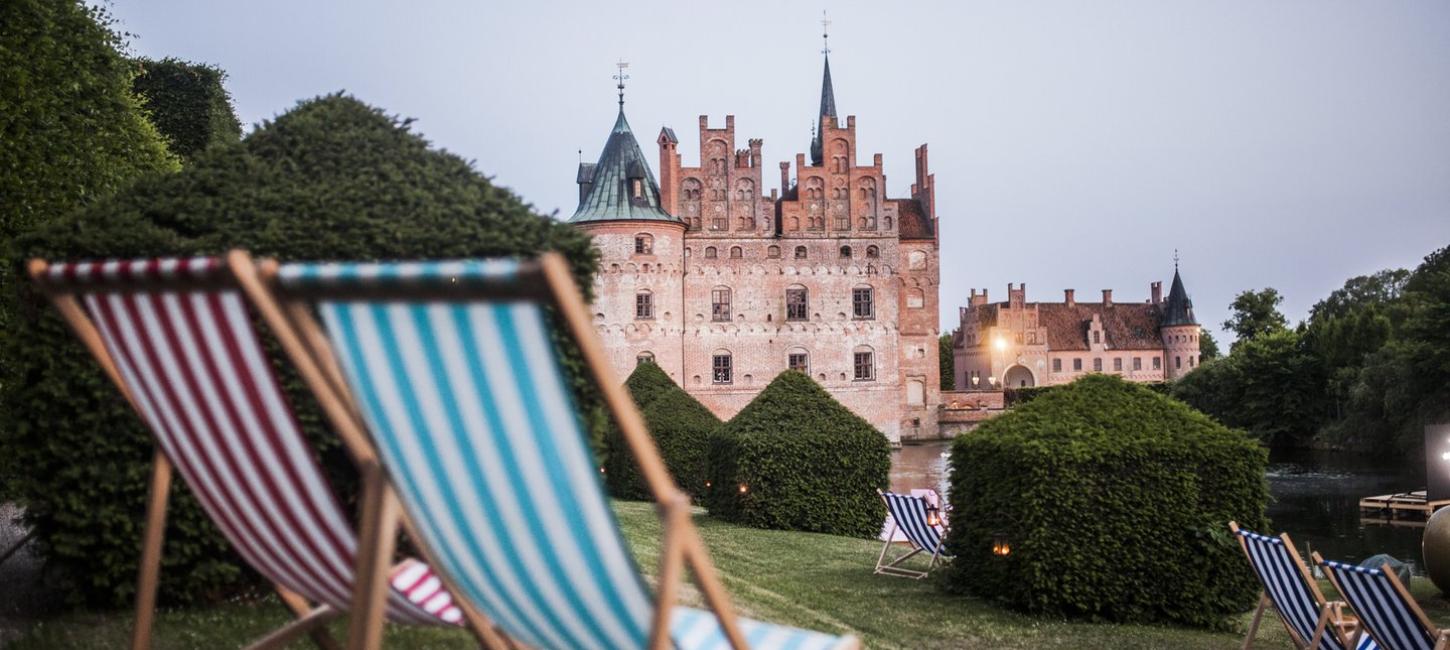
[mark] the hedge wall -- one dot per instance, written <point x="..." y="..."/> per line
<point x="804" y="461"/>
<point x="188" y="104"/>
<point x="680" y="426"/>
<point x="1115" y="501"/>
<point x="331" y="179"/>
<point x="1017" y="396"/>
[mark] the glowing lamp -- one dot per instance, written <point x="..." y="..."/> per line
<point x="1000" y="546"/>
<point x="933" y="515"/>
<point x="744" y="488"/>
<point x="1000" y="343"/>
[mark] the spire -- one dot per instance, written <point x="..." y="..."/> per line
<point x="828" y="93"/>
<point x="621" y="78"/>
<point x="620" y="187"/>
<point x="1178" y="309"/>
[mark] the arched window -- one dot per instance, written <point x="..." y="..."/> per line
<point x="644" y="357"/>
<point x="720" y="304"/>
<point x="722" y="367"/>
<point x="644" y="244"/>
<point x="644" y="306"/>
<point x="773" y="252"/>
<point x="846" y="252"/>
<point x="736" y="252"/>
<point x="798" y="360"/>
<point x="915" y="298"/>
<point x="873" y="252"/>
<point x="800" y="252"/>
<point x="797" y="304"/>
<point x="863" y="360"/>
<point x="709" y="252"/>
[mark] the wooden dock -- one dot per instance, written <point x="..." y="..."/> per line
<point x="1400" y="509"/>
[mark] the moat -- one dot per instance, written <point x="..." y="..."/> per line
<point x="1314" y="496"/>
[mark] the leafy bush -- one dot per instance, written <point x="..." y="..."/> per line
<point x="680" y="426"/>
<point x="1018" y="396"/>
<point x="331" y="179"/>
<point x="188" y="104"/>
<point x="796" y="459"/>
<point x="1115" y="501"/>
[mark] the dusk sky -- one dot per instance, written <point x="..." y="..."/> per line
<point x="1075" y="144"/>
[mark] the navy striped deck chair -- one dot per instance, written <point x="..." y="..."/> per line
<point x="452" y="369"/>
<point x="176" y="338"/>
<point x="912" y="516"/>
<point x="1387" y="612"/>
<point x="1312" y="622"/>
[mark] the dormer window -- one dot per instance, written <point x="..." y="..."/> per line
<point x="636" y="188"/>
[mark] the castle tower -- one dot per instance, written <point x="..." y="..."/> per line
<point x="1179" y="331"/>
<point x="637" y="292"/>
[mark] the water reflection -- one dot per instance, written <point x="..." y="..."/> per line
<point x="1314" y="497"/>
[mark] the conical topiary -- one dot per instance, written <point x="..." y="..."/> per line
<point x="1114" y="501"/>
<point x="333" y="178"/>
<point x="796" y="459"/>
<point x="680" y="426"/>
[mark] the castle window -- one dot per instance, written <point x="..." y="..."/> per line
<point x="1077" y="365"/>
<point x="736" y="253"/>
<point x="1057" y="365"/>
<point x="1097" y="365"/>
<point x="644" y="244"/>
<point x="644" y="306"/>
<point x="846" y="252"/>
<point x="720" y="304"/>
<point x="800" y="252"/>
<point x="1177" y="362"/>
<point x="863" y="306"/>
<point x="1190" y="361"/>
<point x="773" y="252"/>
<point x="798" y="361"/>
<point x="636" y="188"/>
<point x="1097" y="336"/>
<point x="644" y="357"/>
<point x="796" y="306"/>
<point x="1118" y="364"/>
<point x="915" y="298"/>
<point x="864" y="363"/>
<point x="722" y="370"/>
<point x="1137" y="363"/>
<point x="872" y="252"/>
<point x="709" y="252"/>
<point x="1157" y="363"/>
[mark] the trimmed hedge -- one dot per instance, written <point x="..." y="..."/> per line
<point x="1018" y="396"/>
<point x="1116" y="502"/>
<point x="805" y="462"/>
<point x="680" y="426"/>
<point x="188" y="104"/>
<point x="331" y="179"/>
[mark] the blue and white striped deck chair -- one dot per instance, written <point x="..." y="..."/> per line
<point x="1312" y="622"/>
<point x="453" y="369"/>
<point x="1387" y="612"/>
<point x="913" y="517"/>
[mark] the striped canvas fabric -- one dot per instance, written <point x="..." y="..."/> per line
<point x="909" y="513"/>
<point x="1284" y="583"/>
<point x="1382" y="611"/>
<point x="202" y="382"/>
<point x="478" y="429"/>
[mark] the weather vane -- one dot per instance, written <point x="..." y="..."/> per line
<point x="621" y="78"/>
<point x="825" y="33"/>
<point x="1175" y="259"/>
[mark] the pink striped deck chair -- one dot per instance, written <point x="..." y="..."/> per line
<point x="176" y="338"/>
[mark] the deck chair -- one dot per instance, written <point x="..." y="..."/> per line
<point x="452" y="369"/>
<point x="1312" y="622"/>
<point x="1387" y="612"/>
<point x="175" y="337"/>
<point x="909" y="515"/>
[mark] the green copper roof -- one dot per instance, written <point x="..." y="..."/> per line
<point x="1179" y="309"/>
<point x="605" y="186"/>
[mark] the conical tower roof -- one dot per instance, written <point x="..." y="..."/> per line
<point x="828" y="111"/>
<point x="610" y="195"/>
<point x="1178" y="310"/>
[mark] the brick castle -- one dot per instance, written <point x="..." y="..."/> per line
<point x="724" y="286"/>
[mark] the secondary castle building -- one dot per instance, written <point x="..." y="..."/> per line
<point x="1016" y="343"/>
<point x="725" y="286"/>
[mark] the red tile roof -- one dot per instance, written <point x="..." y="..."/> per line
<point x="1127" y="326"/>
<point x="913" y="222"/>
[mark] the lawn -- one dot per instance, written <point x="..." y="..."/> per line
<point x="814" y="581"/>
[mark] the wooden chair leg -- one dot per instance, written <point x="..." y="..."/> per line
<point x="1319" y="629"/>
<point x="152" y="539"/>
<point x="301" y="609"/>
<point x="311" y="622"/>
<point x="884" y="547"/>
<point x="1254" y="625"/>
<point x="377" y="537"/>
<point x="672" y="561"/>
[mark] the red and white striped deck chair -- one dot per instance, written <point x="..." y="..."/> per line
<point x="176" y="338"/>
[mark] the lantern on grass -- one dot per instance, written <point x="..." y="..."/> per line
<point x="933" y="515"/>
<point x="1001" y="547"/>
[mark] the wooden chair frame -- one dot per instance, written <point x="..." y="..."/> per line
<point x="1442" y="636"/>
<point x="893" y="567"/>
<point x="548" y="278"/>
<point x="1330" y="612"/>
<point x="376" y="508"/>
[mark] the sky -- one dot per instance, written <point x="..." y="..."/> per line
<point x="1290" y="144"/>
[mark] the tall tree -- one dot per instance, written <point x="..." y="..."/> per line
<point x="948" y="363"/>
<point x="1207" y="346"/>
<point x="1256" y="313"/>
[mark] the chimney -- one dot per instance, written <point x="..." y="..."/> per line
<point x="1107" y="297"/>
<point x="1157" y="290"/>
<point x="784" y="177"/>
<point x="978" y="299"/>
<point x="1016" y="297"/>
<point x="1068" y="298"/>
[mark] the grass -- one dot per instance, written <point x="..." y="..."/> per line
<point x="815" y="581"/>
